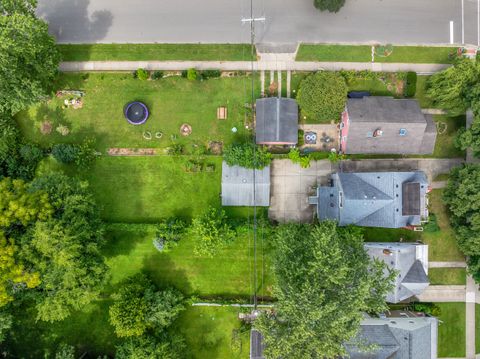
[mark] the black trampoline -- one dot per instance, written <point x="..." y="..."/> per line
<point x="136" y="113"/>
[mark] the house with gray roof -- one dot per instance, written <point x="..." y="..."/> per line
<point x="409" y="260"/>
<point x="395" y="338"/>
<point x="276" y="121"/>
<point x="237" y="186"/>
<point x="373" y="199"/>
<point x="384" y="125"/>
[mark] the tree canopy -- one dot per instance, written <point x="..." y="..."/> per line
<point x="28" y="56"/>
<point x="322" y="96"/>
<point x="454" y="89"/>
<point x="324" y="281"/>
<point x="462" y="197"/>
<point x="139" y="306"/>
<point x="329" y="5"/>
<point x="149" y="346"/>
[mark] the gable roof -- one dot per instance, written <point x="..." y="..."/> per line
<point x="409" y="260"/>
<point x="237" y="186"/>
<point x="276" y="121"/>
<point x="396" y="338"/>
<point x="391" y="116"/>
<point x="373" y="199"/>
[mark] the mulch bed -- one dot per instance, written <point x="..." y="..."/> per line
<point x="132" y="151"/>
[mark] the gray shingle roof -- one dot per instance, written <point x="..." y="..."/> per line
<point x="237" y="186"/>
<point x="256" y="345"/>
<point x="396" y="338"/>
<point x="370" y="199"/>
<point x="276" y="121"/>
<point x="410" y="260"/>
<point x="390" y="115"/>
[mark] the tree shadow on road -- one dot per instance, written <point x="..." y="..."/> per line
<point x="69" y="20"/>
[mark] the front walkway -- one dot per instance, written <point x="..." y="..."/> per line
<point x="75" y="66"/>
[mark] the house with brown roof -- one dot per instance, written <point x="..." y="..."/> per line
<point x="385" y="125"/>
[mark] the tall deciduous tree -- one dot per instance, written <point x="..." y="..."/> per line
<point x="148" y="346"/>
<point x="28" y="56"/>
<point x="462" y="196"/>
<point x="139" y="306"/>
<point x="65" y="249"/>
<point x="329" y="5"/>
<point x="451" y="89"/>
<point x="324" y="282"/>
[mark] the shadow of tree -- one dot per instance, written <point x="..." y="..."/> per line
<point x="69" y="20"/>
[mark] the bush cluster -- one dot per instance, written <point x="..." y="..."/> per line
<point x="83" y="155"/>
<point x="243" y="155"/>
<point x="411" y="85"/>
<point x="322" y="96"/>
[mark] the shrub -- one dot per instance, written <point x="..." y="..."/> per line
<point x="330" y="5"/>
<point x="86" y="154"/>
<point x="411" y="85"/>
<point x="192" y="74"/>
<point x="157" y="75"/>
<point x="176" y="149"/>
<point x="334" y="157"/>
<point x="322" y="96"/>
<point x="63" y="130"/>
<point x="142" y="74"/>
<point x="211" y="232"/>
<point x="432" y="225"/>
<point x="301" y="138"/>
<point x="65" y="152"/>
<point x="169" y="233"/>
<point x="184" y="73"/>
<point x="210" y="74"/>
<point x="427" y="308"/>
<point x="296" y="157"/>
<point x="242" y="155"/>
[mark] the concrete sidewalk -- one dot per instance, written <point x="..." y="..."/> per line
<point x="75" y="66"/>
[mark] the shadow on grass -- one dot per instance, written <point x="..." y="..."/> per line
<point x="165" y="273"/>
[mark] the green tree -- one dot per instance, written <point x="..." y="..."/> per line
<point x="148" y="346"/>
<point x="6" y="322"/>
<point x="469" y="138"/>
<point x="322" y="96"/>
<point x="65" y="249"/>
<point x="450" y="89"/>
<point x="462" y="196"/>
<point x="243" y="155"/>
<point x="20" y="206"/>
<point x="65" y="152"/>
<point x="28" y="56"/>
<point x="211" y="232"/>
<point x="325" y="281"/>
<point x="139" y="306"/>
<point x="65" y="351"/>
<point x="329" y="5"/>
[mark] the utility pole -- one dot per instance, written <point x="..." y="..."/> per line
<point x="251" y="20"/>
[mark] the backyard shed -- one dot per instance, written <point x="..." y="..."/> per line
<point x="237" y="186"/>
<point x="276" y="121"/>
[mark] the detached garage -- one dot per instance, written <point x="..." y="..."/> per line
<point x="276" y="121"/>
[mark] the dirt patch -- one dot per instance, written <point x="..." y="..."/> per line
<point x="132" y="151"/>
<point x="215" y="147"/>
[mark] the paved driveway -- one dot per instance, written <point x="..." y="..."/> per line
<point x="290" y="187"/>
<point x="287" y="21"/>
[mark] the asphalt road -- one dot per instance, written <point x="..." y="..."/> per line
<point x="287" y="21"/>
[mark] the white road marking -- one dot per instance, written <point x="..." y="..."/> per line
<point x="451" y="32"/>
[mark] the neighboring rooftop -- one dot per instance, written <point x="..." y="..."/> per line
<point x="276" y="121"/>
<point x="256" y="345"/>
<point x="237" y="186"/>
<point x="374" y="199"/>
<point x="410" y="260"/>
<point x="396" y="338"/>
<point x="375" y="125"/>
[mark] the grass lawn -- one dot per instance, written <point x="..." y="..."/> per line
<point x="374" y="86"/>
<point x="172" y="101"/>
<point x="447" y="276"/>
<point x="227" y="275"/>
<point x="145" y="189"/>
<point x="420" y="55"/>
<point x="214" y="332"/>
<point x="442" y="244"/>
<point x="158" y="52"/>
<point x="447" y="130"/>
<point x="334" y="53"/>
<point x="420" y="95"/>
<point x="451" y="330"/>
